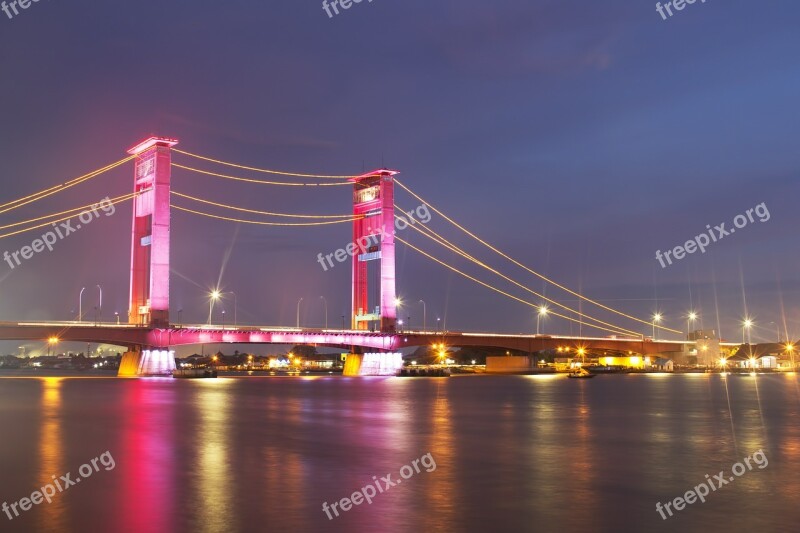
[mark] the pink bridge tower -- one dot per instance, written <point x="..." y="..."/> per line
<point x="149" y="303"/>
<point x="373" y="237"/>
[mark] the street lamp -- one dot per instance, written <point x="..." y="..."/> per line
<point x="116" y="315"/>
<point x="235" y="309"/>
<point x="746" y="325"/>
<point x="213" y="297"/>
<point x="777" y="331"/>
<point x="691" y="317"/>
<point x="52" y="341"/>
<point x="80" y="305"/>
<point x="326" y="310"/>
<point x="100" y="306"/>
<point x="656" y="318"/>
<point x="298" y="311"/>
<point x="438" y="321"/>
<point x="424" y="315"/>
<point x="223" y="319"/>
<point x="542" y="313"/>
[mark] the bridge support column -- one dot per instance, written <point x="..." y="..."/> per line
<point x="373" y="364"/>
<point x="373" y="240"/>
<point x="153" y="362"/>
<point x="149" y="302"/>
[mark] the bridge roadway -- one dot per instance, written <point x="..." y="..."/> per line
<point x="150" y="337"/>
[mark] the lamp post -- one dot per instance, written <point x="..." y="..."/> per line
<point x="52" y="341"/>
<point x="777" y="331"/>
<point x="691" y="317"/>
<point x="424" y="315"/>
<point x="223" y="319"/>
<point x="542" y="313"/>
<point x="438" y="322"/>
<point x="213" y="297"/>
<point x="324" y="301"/>
<point x="100" y="306"/>
<point x="116" y="315"/>
<point x="298" y="312"/>
<point x="235" y="309"/>
<point x="656" y="318"/>
<point x="80" y="305"/>
<point x="746" y="325"/>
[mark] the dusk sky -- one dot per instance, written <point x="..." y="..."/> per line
<point x="578" y="137"/>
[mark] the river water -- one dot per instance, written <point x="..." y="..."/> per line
<point x="493" y="453"/>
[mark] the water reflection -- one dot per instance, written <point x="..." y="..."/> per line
<point x="53" y="516"/>
<point x="146" y="461"/>
<point x="214" y="485"/>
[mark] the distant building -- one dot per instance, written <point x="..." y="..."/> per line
<point x="662" y="365"/>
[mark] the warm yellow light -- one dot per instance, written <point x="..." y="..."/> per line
<point x="52" y="340"/>
<point x="692" y="316"/>
<point x="543" y="310"/>
<point x="752" y="362"/>
<point x="636" y="361"/>
<point x="657" y="317"/>
<point x="398" y="302"/>
<point x="581" y="351"/>
<point x="723" y="361"/>
<point x="748" y="323"/>
<point x="214" y="358"/>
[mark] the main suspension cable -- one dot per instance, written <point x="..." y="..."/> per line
<point x="117" y="200"/>
<point x="500" y="291"/>
<point x="261" y="223"/>
<point x="72" y="211"/>
<point x="268" y="213"/>
<point x="19" y="202"/>
<point x="260" y="182"/>
<point x="455" y="249"/>
<point x="264" y="170"/>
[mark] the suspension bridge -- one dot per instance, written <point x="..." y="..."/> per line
<point x="148" y="334"/>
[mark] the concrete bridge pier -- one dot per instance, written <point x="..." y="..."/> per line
<point x="138" y="362"/>
<point x="373" y="364"/>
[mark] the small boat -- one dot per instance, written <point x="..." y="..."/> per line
<point x="194" y="373"/>
<point x="581" y="373"/>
